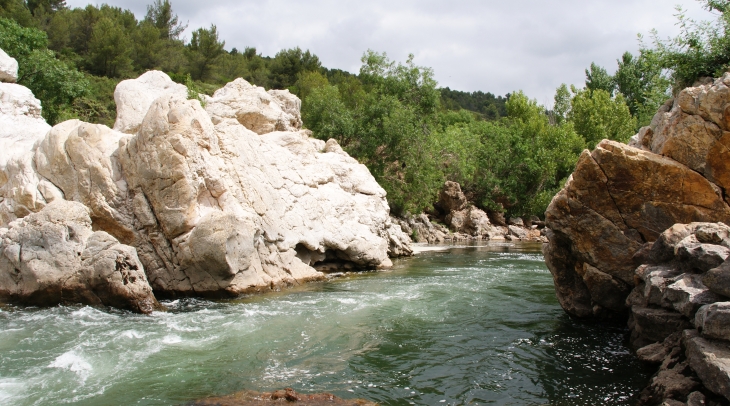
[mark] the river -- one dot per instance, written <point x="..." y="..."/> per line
<point x="471" y="325"/>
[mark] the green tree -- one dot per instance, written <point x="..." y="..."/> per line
<point x="535" y="156"/>
<point x="204" y="51"/>
<point x="16" y="10"/>
<point x="561" y="107"/>
<point x="110" y="48"/>
<point x="701" y="49"/>
<point x="148" y="47"/>
<point x="597" y="116"/>
<point x="161" y="16"/>
<point x="598" y="79"/>
<point x="37" y="6"/>
<point x="54" y="83"/>
<point x="288" y="64"/>
<point x="307" y="82"/>
<point x="388" y="123"/>
<point x="642" y="83"/>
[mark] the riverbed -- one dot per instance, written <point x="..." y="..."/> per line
<point x="470" y="325"/>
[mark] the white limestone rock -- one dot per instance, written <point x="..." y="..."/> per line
<point x="22" y="191"/>
<point x="53" y="257"/>
<point x="237" y="211"/>
<point x="239" y="102"/>
<point x="134" y="97"/>
<point x="8" y="68"/>
<point x="81" y="160"/>
<point x="216" y="209"/>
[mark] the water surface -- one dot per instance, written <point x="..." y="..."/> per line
<point x="473" y="325"/>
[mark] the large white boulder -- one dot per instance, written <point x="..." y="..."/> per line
<point x="134" y="97"/>
<point x="53" y="257"/>
<point x="8" y="68"/>
<point x="240" y="211"/>
<point x="22" y="191"/>
<point x="211" y="206"/>
<point x="80" y="159"/>
<point x="251" y="106"/>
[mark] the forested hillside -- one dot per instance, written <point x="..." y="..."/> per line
<point x="509" y="153"/>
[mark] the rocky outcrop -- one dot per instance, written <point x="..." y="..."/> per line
<point x="22" y="190"/>
<point x="677" y="319"/>
<point x="622" y="197"/>
<point x="53" y="257"/>
<point x="219" y="201"/>
<point x="262" y="112"/>
<point x="135" y="96"/>
<point x="455" y="219"/>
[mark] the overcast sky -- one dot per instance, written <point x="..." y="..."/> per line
<point x="492" y="46"/>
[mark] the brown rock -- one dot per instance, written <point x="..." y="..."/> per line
<point x="619" y="198"/>
<point x="451" y="197"/>
<point x="718" y="161"/>
<point x="686" y="139"/>
<point x="286" y="396"/>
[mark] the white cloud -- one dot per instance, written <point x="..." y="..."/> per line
<point x="487" y="45"/>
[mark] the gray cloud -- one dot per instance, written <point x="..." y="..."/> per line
<point x="488" y="45"/>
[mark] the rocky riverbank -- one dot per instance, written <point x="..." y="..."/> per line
<point x="455" y="219"/>
<point x="179" y="199"/>
<point x="640" y="232"/>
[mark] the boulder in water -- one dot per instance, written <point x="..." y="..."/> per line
<point x="53" y="257"/>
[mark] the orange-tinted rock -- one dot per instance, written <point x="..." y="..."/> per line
<point x="287" y="396"/>
<point x="686" y="138"/>
<point x="618" y="198"/>
<point x="718" y="162"/>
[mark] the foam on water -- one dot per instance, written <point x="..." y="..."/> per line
<point x="73" y="362"/>
<point x="11" y="390"/>
<point x="470" y="325"/>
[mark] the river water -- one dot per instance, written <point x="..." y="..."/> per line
<point x="471" y="325"/>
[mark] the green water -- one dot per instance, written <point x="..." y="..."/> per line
<point x="474" y="325"/>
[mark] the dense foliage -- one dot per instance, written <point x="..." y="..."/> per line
<point x="489" y="106"/>
<point x="509" y="153"/>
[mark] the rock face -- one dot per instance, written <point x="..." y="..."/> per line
<point x="262" y="112"/>
<point x="53" y="257"/>
<point x="22" y="191"/>
<point x="621" y="197"/>
<point x="135" y="96"/>
<point x="215" y="202"/>
<point x="677" y="318"/>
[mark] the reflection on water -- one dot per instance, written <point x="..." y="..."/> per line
<point x="472" y="325"/>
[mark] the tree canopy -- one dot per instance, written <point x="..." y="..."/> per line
<point x="508" y="152"/>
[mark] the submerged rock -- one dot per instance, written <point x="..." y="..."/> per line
<point x="286" y="396"/>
